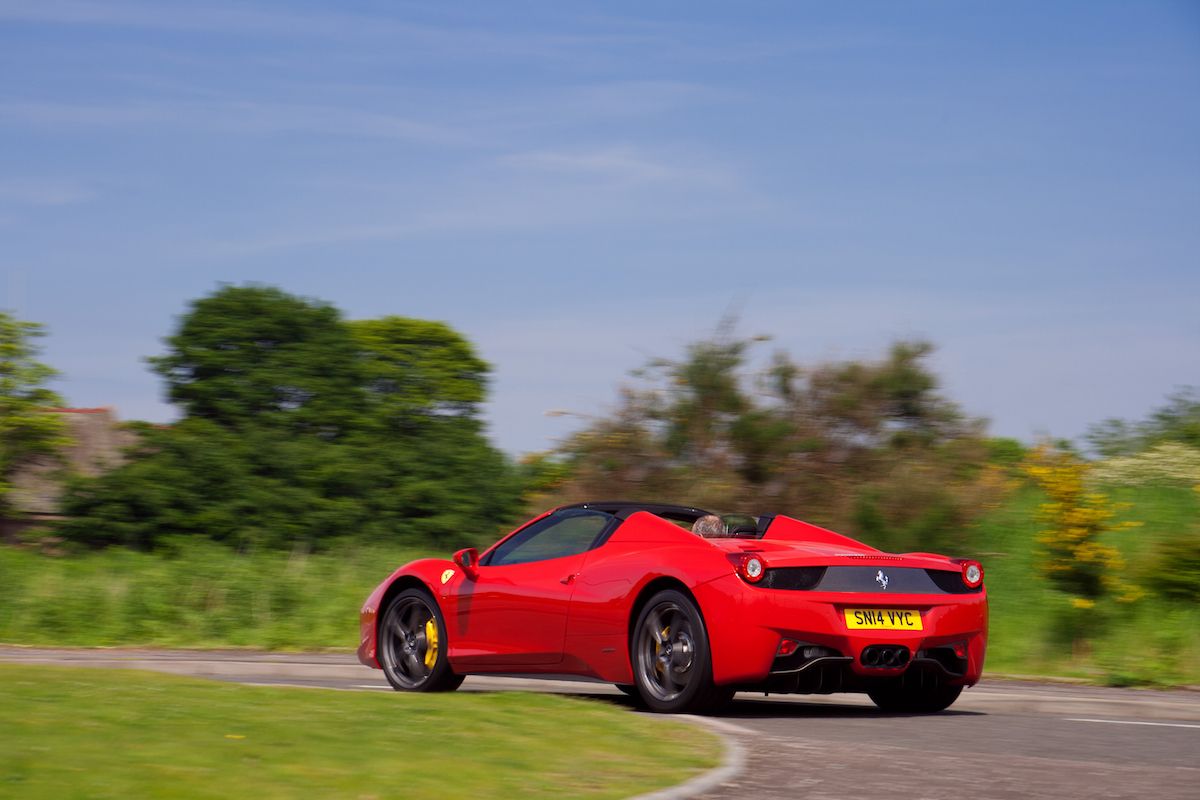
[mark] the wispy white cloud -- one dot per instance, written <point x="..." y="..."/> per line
<point x="615" y="99"/>
<point x="247" y="20"/>
<point x="271" y="118"/>
<point x="527" y="191"/>
<point x="624" y="164"/>
<point x="198" y="17"/>
<point x="43" y="192"/>
<point x="232" y="116"/>
<point x="60" y="114"/>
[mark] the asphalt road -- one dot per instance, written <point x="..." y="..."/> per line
<point x="1002" y="739"/>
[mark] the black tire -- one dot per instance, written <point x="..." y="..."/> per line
<point x="672" y="663"/>
<point x="896" y="697"/>
<point x="412" y="644"/>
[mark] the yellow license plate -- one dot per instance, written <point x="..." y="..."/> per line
<point x="883" y="619"/>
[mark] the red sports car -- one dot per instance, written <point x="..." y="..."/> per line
<point x="628" y="593"/>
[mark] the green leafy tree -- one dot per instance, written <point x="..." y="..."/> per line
<point x="301" y="429"/>
<point x="186" y="479"/>
<point x="865" y="446"/>
<point x="26" y="431"/>
<point x="436" y="477"/>
<point x="443" y="484"/>
<point x="414" y="369"/>
<point x="1114" y="437"/>
<point x="1178" y="420"/>
<point x="1175" y="422"/>
<point x="249" y="356"/>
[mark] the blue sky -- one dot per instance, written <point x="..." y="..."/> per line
<point x="579" y="187"/>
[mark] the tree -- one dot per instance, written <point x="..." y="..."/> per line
<point x="300" y="429"/>
<point x="1175" y="422"/>
<point x="1114" y="437"/>
<point x="1178" y="420"/>
<point x="414" y="369"/>
<point x="26" y="431"/>
<point x="255" y="355"/>
<point x="865" y="446"/>
<point x="187" y="479"/>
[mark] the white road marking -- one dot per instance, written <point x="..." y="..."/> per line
<point x="978" y="694"/>
<point x="1133" y="722"/>
<point x="370" y="686"/>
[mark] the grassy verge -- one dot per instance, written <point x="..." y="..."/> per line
<point x="73" y="732"/>
<point x="198" y="595"/>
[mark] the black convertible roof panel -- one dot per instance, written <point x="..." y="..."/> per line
<point x="623" y="508"/>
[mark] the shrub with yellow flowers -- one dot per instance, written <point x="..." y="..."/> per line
<point x="1074" y="557"/>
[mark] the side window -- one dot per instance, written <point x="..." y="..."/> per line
<point x="556" y="536"/>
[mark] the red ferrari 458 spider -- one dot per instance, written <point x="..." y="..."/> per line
<point x="627" y="593"/>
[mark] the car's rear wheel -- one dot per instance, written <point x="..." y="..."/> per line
<point x="412" y="644"/>
<point x="672" y="663"/>
<point x="899" y="697"/>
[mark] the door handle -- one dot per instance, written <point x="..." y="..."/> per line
<point x="569" y="579"/>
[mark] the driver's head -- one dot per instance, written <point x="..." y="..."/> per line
<point x="709" y="526"/>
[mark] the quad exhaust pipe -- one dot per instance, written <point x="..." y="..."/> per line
<point x="885" y="656"/>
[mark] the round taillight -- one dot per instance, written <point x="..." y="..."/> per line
<point x="750" y="567"/>
<point x="753" y="567"/>
<point x="972" y="573"/>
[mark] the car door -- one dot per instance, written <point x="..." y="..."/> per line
<point x="514" y="612"/>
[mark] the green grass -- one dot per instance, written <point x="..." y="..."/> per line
<point x="198" y="595"/>
<point x="78" y="732"/>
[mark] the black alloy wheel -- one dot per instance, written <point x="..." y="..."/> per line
<point x="672" y="663"/>
<point x="412" y="645"/>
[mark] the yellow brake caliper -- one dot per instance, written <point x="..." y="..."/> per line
<point x="431" y="643"/>
<point x="663" y="636"/>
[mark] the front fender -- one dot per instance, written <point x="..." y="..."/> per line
<point x="432" y="574"/>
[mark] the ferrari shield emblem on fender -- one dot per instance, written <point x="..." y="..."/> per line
<point x="447" y="575"/>
<point x="879" y="576"/>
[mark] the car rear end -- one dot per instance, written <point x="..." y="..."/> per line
<point x="812" y="619"/>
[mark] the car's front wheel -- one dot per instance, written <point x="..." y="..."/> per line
<point x="899" y="697"/>
<point x="672" y="663"/>
<point x="412" y="644"/>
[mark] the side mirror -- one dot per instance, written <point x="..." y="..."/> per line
<point x="468" y="561"/>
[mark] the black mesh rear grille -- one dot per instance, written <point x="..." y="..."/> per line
<point x="798" y="578"/>
<point x="951" y="582"/>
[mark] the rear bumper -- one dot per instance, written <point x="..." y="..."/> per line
<point x="746" y="625"/>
